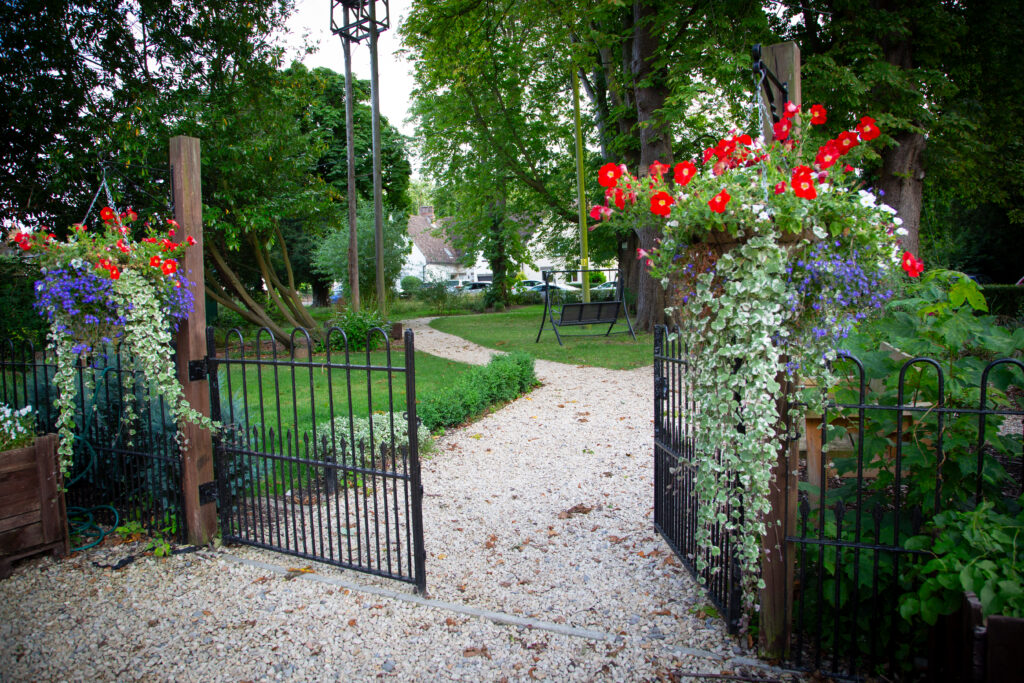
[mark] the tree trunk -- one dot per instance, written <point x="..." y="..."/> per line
<point x="902" y="180"/>
<point x="902" y="175"/>
<point x="655" y="145"/>
<point x="321" y="294"/>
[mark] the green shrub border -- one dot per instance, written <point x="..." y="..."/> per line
<point x="1004" y="299"/>
<point x="504" y="378"/>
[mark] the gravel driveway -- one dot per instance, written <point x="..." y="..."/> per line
<point x="542" y="563"/>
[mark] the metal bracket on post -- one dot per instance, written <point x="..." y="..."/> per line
<point x="197" y="370"/>
<point x="208" y="493"/>
<point x="761" y="69"/>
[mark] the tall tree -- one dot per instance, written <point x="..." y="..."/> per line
<point x="644" y="65"/>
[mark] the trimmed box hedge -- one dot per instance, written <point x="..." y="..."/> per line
<point x="505" y="378"/>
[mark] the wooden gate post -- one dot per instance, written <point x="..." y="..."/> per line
<point x="197" y="451"/>
<point x="777" y="554"/>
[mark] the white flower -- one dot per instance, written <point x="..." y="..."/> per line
<point x="866" y="198"/>
<point x="897" y="220"/>
<point x="887" y="209"/>
<point x="672" y="223"/>
<point x="901" y="231"/>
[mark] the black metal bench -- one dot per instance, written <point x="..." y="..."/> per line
<point x="587" y="313"/>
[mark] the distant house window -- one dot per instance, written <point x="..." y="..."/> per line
<point x="484" y="277"/>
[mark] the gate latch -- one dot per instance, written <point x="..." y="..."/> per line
<point x="197" y="370"/>
<point x="208" y="493"/>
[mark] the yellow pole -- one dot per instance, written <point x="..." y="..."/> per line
<point x="581" y="190"/>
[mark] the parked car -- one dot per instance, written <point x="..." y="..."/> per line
<point x="473" y="287"/>
<point x="554" y="285"/>
<point x="524" y="285"/>
<point x="606" y="286"/>
<point x="337" y="293"/>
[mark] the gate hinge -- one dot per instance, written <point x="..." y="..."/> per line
<point x="208" y="493"/>
<point x="197" y="370"/>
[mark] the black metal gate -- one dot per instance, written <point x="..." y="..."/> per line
<point x="675" y="501"/>
<point x="314" y="460"/>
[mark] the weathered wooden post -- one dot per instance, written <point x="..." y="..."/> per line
<point x="197" y="451"/>
<point x="783" y="59"/>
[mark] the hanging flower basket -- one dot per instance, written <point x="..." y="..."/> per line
<point x="771" y="253"/>
<point x="112" y="287"/>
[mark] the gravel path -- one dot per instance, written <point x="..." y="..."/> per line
<point x="542" y="563"/>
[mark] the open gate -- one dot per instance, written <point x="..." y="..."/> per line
<point x="319" y="453"/>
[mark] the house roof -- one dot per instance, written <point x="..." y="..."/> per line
<point x="436" y="248"/>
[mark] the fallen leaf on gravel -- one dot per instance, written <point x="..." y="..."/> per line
<point x="490" y="541"/>
<point x="476" y="436"/>
<point x="476" y="652"/>
<point x="662" y="612"/>
<point x="262" y="579"/>
<point x="449" y="621"/>
<point x="578" y="509"/>
<point x="617" y="539"/>
<point x="608" y="474"/>
<point x="441" y="556"/>
<point x="583" y="419"/>
<point x="671" y="560"/>
<point x="351" y="622"/>
<point x="561" y="405"/>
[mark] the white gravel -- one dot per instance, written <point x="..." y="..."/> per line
<point x="539" y="514"/>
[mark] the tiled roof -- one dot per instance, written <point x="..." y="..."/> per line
<point x="435" y="248"/>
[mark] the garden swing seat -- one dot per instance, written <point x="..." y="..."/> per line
<point x="569" y="314"/>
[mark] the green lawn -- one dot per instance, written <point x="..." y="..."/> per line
<point x="517" y="331"/>
<point x="300" y="397"/>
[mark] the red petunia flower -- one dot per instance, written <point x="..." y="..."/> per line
<point x="151" y="240"/>
<point x="173" y="223"/>
<point x="780" y="187"/>
<point x="122" y="246"/>
<point x="790" y="110"/>
<point x="154" y="261"/>
<point x="191" y="240"/>
<point x="659" y="169"/>
<point x="131" y="215"/>
<point x="115" y="274"/>
<point x="170" y="233"/>
<point x="911" y="264"/>
<point x="745" y="139"/>
<point x="818" y="116"/>
<point x="609" y="175"/>
<point x="708" y="153"/>
<point x="107" y="214"/>
<point x="620" y="200"/>
<point x="684" y="172"/>
<point x="782" y="128"/>
<point x="167" y="245"/>
<point x="846" y="141"/>
<point x="641" y="253"/>
<point x="661" y="202"/>
<point x="170" y="266"/>
<point x="595" y="213"/>
<point x="803" y="185"/>
<point x="847" y="168"/>
<point x="867" y="129"/>
<point x="719" y="201"/>
<point x="828" y="154"/>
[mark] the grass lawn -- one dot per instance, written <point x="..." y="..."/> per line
<point x="517" y="331"/>
<point x="300" y="397"/>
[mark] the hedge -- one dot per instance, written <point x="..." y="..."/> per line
<point x="505" y="378"/>
<point x="1005" y="300"/>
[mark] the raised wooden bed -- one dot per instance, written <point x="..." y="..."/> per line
<point x="33" y="517"/>
<point x="966" y="647"/>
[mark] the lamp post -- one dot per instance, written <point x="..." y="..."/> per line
<point x="352" y="21"/>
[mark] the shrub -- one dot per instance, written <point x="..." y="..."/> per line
<point x="436" y="295"/>
<point x="344" y="443"/>
<point x="1004" y="300"/>
<point x="411" y="285"/>
<point x="503" y="379"/>
<point x="358" y="327"/>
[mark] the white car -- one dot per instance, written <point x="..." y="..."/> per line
<point x="554" y="285"/>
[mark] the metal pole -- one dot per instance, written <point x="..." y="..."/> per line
<point x="378" y="204"/>
<point x="580" y="189"/>
<point x="350" y="147"/>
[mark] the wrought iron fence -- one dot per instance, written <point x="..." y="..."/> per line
<point x="319" y="456"/>
<point x="888" y="454"/>
<point x="125" y="451"/>
<point x="675" y="500"/>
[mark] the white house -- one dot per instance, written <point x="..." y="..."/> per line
<point x="434" y="258"/>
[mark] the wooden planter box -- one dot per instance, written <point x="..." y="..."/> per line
<point x="966" y="647"/>
<point x="33" y="517"/>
